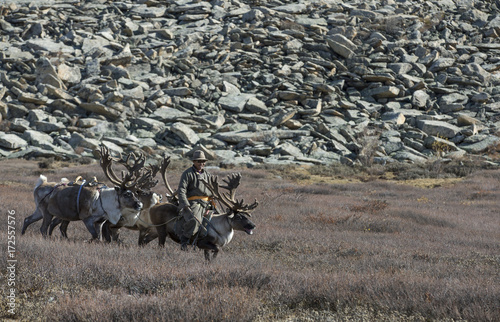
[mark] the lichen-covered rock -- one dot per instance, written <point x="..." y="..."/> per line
<point x="247" y="77"/>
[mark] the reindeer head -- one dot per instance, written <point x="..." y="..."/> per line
<point x="241" y="221"/>
<point x="148" y="198"/>
<point x="128" y="200"/>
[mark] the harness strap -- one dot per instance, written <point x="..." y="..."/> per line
<point x="78" y="197"/>
<point x="51" y="191"/>
<point x="209" y="223"/>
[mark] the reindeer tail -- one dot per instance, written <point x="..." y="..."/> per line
<point x="40" y="181"/>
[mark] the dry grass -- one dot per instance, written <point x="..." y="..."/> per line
<point x="325" y="251"/>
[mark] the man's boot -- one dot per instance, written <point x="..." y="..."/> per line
<point x="184" y="243"/>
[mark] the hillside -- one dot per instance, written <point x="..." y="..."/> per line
<point x="251" y="82"/>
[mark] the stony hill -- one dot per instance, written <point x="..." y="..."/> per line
<point x="315" y="82"/>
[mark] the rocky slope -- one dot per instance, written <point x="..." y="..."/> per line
<point x="314" y="82"/>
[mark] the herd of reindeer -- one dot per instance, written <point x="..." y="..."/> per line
<point x="131" y="204"/>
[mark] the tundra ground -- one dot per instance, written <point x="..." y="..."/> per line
<point x="327" y="247"/>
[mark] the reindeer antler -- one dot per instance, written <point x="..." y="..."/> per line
<point x="232" y="182"/>
<point x="227" y="198"/>
<point x="171" y="194"/>
<point x="134" y="165"/>
<point x="146" y="179"/>
<point x="106" y="161"/>
<point x="132" y="162"/>
<point x="213" y="185"/>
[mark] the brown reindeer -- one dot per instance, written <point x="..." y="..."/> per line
<point x="38" y="195"/>
<point x="220" y="229"/>
<point x="91" y="204"/>
<point x="143" y="183"/>
<point x="43" y="191"/>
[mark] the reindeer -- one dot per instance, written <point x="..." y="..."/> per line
<point x="220" y="229"/>
<point x="147" y="230"/>
<point x="38" y="195"/>
<point x="90" y="204"/>
<point x="144" y="182"/>
<point x="142" y="187"/>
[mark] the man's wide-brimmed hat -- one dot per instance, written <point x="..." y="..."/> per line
<point x="198" y="155"/>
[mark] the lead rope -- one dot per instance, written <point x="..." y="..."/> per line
<point x="151" y="225"/>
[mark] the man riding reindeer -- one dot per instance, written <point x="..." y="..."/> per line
<point x="195" y="199"/>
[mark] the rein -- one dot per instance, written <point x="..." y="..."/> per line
<point x="151" y="225"/>
<point x="209" y="223"/>
<point x="176" y="217"/>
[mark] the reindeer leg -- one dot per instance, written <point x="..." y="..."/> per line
<point x="106" y="231"/>
<point x="97" y="227"/>
<point x="63" y="228"/>
<point x="89" y="223"/>
<point x="162" y="235"/>
<point x="150" y="236"/>
<point x="146" y="235"/>
<point x="215" y="253"/>
<point x="47" y="218"/>
<point x="143" y="233"/>
<point x="208" y="247"/>
<point x="115" y="234"/>
<point x="36" y="216"/>
<point x="53" y="224"/>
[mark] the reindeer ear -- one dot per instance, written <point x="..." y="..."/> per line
<point x="117" y="188"/>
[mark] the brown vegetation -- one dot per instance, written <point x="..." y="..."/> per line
<point x="322" y="250"/>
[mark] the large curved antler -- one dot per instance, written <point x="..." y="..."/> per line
<point x="232" y="182"/>
<point x="134" y="164"/>
<point x="171" y="194"/>
<point x="106" y="160"/>
<point x="227" y="198"/>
